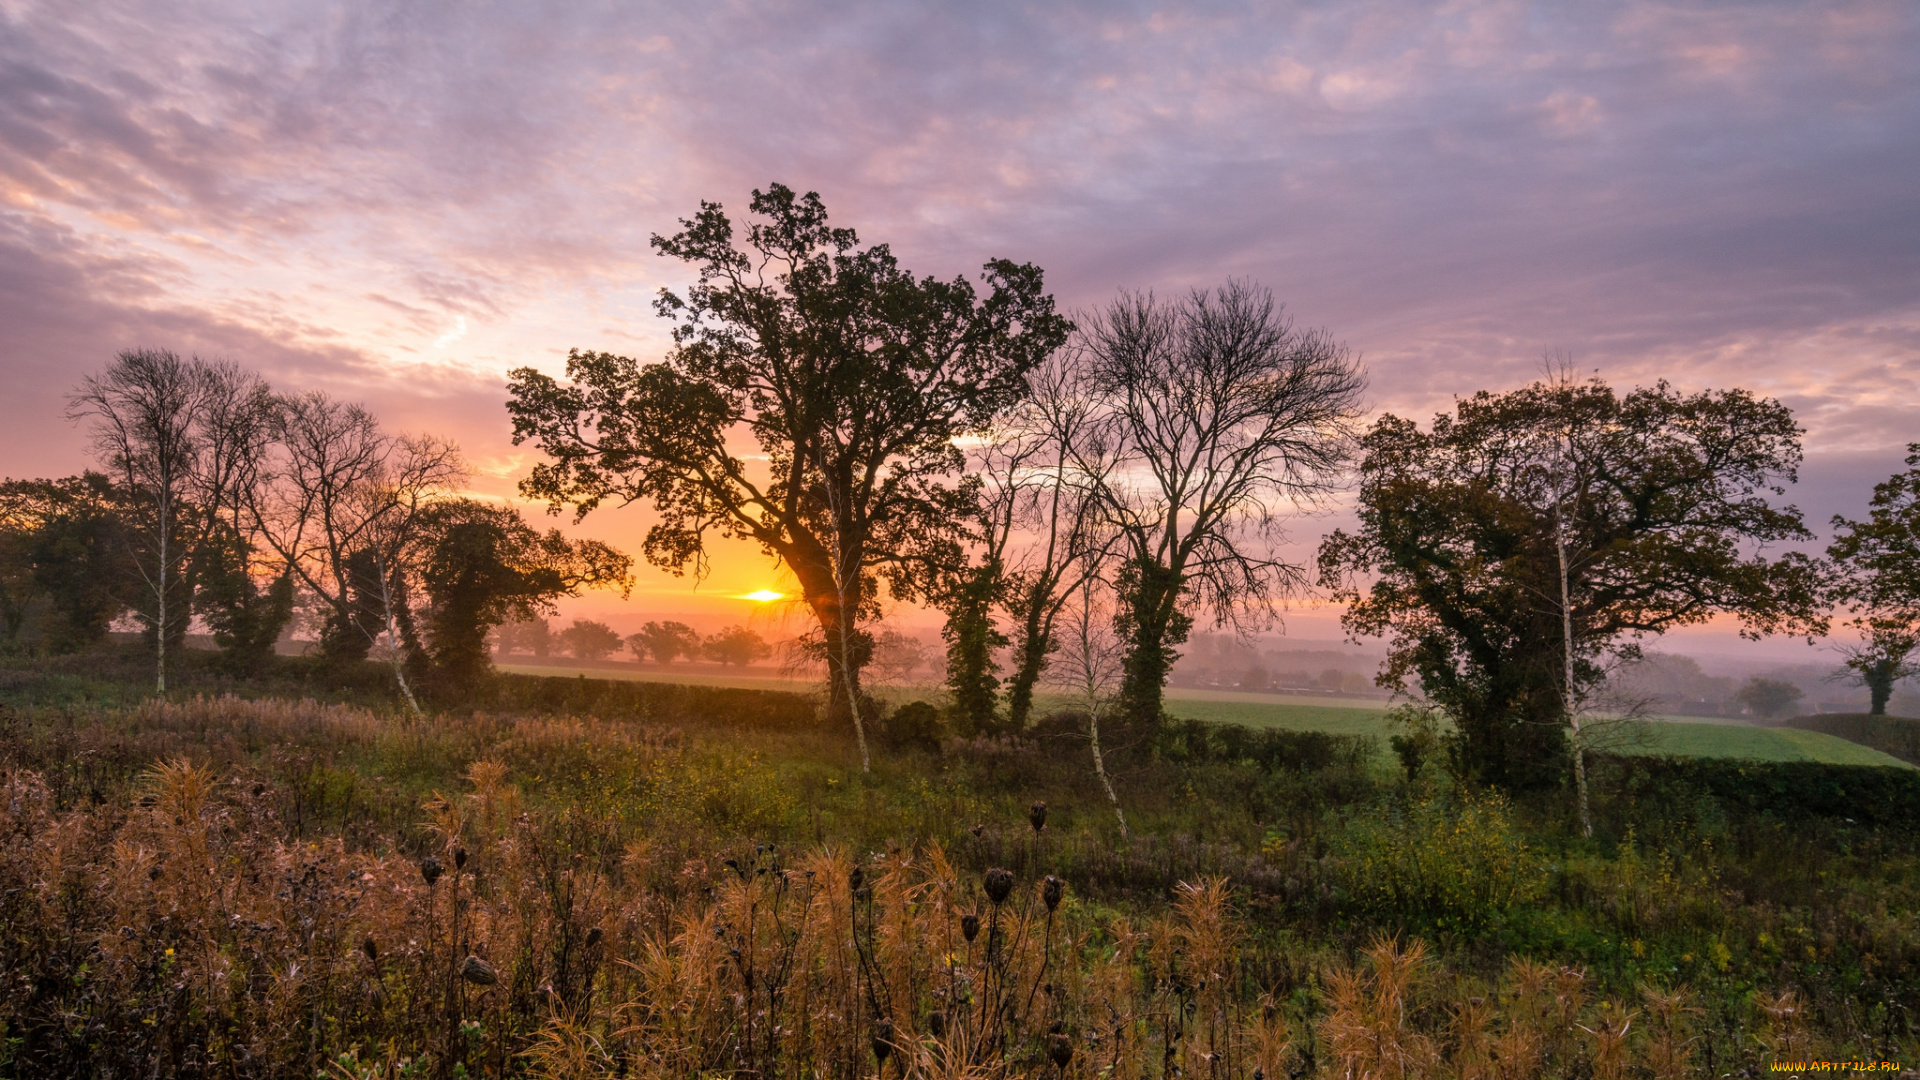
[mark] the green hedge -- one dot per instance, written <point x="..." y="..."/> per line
<point x="653" y="702"/>
<point x="1896" y="735"/>
<point x="1199" y="741"/>
<point x="1675" y="788"/>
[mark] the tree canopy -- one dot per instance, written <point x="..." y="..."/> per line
<point x="851" y="376"/>
<point x="1661" y="499"/>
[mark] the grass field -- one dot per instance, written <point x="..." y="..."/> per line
<point x="1344" y="716"/>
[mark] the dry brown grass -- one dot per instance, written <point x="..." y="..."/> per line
<point x="189" y="932"/>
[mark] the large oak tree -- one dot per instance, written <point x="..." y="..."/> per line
<point x="1659" y="502"/>
<point x="851" y="377"/>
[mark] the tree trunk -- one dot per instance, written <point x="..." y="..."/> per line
<point x="971" y="640"/>
<point x="1573" y="712"/>
<point x="160" y="626"/>
<point x="1100" y="768"/>
<point x="1030" y="659"/>
<point x="847" y="648"/>
<point x="1879" y="680"/>
<point x="1152" y="626"/>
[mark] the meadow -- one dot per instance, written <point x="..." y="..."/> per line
<point x="288" y="876"/>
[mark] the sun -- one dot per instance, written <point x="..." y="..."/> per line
<point x="764" y="596"/>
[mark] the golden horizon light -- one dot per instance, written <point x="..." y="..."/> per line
<point x="764" y="596"/>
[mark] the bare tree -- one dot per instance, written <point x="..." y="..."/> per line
<point x="1041" y="468"/>
<point x="180" y="437"/>
<point x="1216" y="418"/>
<point x="1093" y="662"/>
<point x="340" y="515"/>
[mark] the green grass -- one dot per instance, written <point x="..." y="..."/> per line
<point x="1758" y="744"/>
<point x="1337" y="715"/>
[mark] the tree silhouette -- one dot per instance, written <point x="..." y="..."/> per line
<point x="853" y="378"/>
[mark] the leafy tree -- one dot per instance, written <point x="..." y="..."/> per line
<point x="736" y="646"/>
<point x="246" y="619"/>
<point x="1644" y="511"/>
<point x="665" y="642"/>
<point x="1877" y="576"/>
<point x="590" y="640"/>
<point x="1769" y="698"/>
<point x="481" y="565"/>
<point x="852" y="377"/>
<point x="62" y="560"/>
<point x="1217" y="416"/>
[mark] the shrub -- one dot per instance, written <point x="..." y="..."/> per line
<point x="916" y="724"/>
<point x="1452" y="860"/>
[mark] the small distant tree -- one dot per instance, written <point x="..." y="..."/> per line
<point x="736" y="646"/>
<point x="1769" y="698"/>
<point x="665" y="642"/>
<point x="1877" y="576"/>
<point x="534" y="635"/>
<point x="590" y="640"/>
<point x="896" y="656"/>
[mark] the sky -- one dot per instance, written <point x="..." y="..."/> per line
<point x="398" y="202"/>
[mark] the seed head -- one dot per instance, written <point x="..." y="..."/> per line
<point x="459" y="858"/>
<point x="882" y="1040"/>
<point x="1037" y="816"/>
<point x="855" y="878"/>
<point x="937" y="1024"/>
<point x="1060" y="1050"/>
<point x="969" y="927"/>
<point x="999" y="885"/>
<point x="479" y="972"/>
<point x="1050" y="892"/>
<point x="372" y="950"/>
<point x="430" y="869"/>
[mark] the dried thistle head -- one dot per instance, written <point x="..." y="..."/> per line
<point x="998" y="884"/>
<point x="1037" y="816"/>
<point x="1060" y="1051"/>
<point x="479" y="972"/>
<point x="431" y="869"/>
<point x="1050" y="891"/>
<point x="969" y="926"/>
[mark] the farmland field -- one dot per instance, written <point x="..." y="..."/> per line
<point x="1342" y="716"/>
